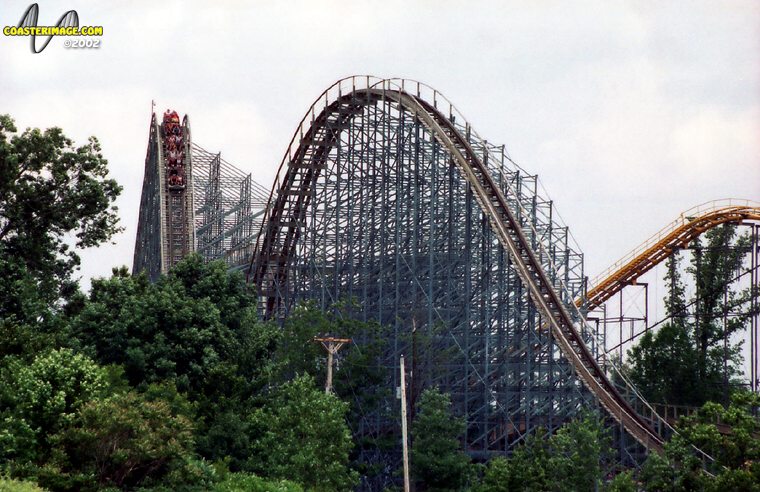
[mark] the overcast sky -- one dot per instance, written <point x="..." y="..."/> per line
<point x="630" y="112"/>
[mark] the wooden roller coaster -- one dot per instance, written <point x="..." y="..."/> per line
<point x="287" y="210"/>
<point x="307" y="158"/>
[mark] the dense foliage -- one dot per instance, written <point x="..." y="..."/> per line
<point x="571" y="459"/>
<point x="304" y="437"/>
<point x="51" y="190"/>
<point x="169" y="384"/>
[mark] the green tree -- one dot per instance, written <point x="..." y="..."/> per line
<point x="188" y="327"/>
<point x="51" y="190"/>
<point x="731" y="435"/>
<point x="496" y="477"/>
<point x="690" y="360"/>
<point x="359" y="376"/>
<point x="713" y="268"/>
<point x="197" y="329"/>
<point x="298" y="353"/>
<point x="578" y="450"/>
<point x="19" y="296"/>
<point x="663" y="365"/>
<point x="122" y="441"/>
<point x="29" y="325"/>
<point x="438" y="462"/>
<point x="235" y="482"/>
<point x="156" y="331"/>
<point x="43" y="397"/>
<point x="10" y="485"/>
<point x="622" y="482"/>
<point x="527" y="469"/>
<point x="304" y="437"/>
<point x="678" y="470"/>
<point x="736" y="444"/>
<point x="570" y="460"/>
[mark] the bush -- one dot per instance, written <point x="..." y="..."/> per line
<point x="236" y="482"/>
<point x="123" y="441"/>
<point x="9" y="485"/>
<point x="43" y="397"/>
<point x="304" y="437"/>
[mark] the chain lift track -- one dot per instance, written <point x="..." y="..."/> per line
<point x="290" y="200"/>
<point x="165" y="232"/>
<point x="678" y="234"/>
<point x="193" y="201"/>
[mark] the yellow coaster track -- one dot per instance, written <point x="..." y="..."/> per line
<point x="677" y="234"/>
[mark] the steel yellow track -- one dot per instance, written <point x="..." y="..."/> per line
<point x="677" y="234"/>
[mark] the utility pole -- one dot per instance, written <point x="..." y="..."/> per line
<point x="413" y="372"/>
<point x="403" y="427"/>
<point x="332" y="345"/>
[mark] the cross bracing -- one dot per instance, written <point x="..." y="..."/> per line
<point x="216" y="214"/>
<point x="373" y="204"/>
<point x="229" y="206"/>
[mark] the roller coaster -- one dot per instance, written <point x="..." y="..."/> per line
<point x="192" y="201"/>
<point x="389" y="202"/>
<point x="678" y="234"/>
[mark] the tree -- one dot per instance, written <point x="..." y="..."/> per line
<point x="713" y="269"/>
<point x="622" y="482"/>
<point x="438" y="462"/>
<point x="196" y="328"/>
<point x="578" y="450"/>
<point x="664" y="366"/>
<point x="678" y="470"/>
<point x="527" y="470"/>
<point x="737" y="451"/>
<point x="43" y="397"/>
<point x="19" y="297"/>
<point x="570" y="460"/>
<point x="496" y="476"/>
<point x="10" y="485"/>
<point x="156" y="331"/>
<point x="304" y="437"/>
<point x="298" y="354"/>
<point x="690" y="360"/>
<point x="122" y="441"/>
<point x="213" y="281"/>
<point x="28" y="324"/>
<point x="183" y="327"/>
<point x="51" y="190"/>
<point x="235" y="482"/>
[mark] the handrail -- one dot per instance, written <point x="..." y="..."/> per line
<point x="658" y="247"/>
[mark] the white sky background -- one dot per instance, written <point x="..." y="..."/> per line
<point x="630" y="112"/>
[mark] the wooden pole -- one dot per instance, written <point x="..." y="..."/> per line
<point x="403" y="427"/>
<point x="332" y="345"/>
<point x="328" y="384"/>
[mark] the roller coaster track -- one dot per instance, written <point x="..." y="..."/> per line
<point x="678" y="234"/>
<point x="307" y="155"/>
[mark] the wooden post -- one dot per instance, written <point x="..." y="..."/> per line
<point x="332" y="345"/>
<point x="328" y="383"/>
<point x="403" y="427"/>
